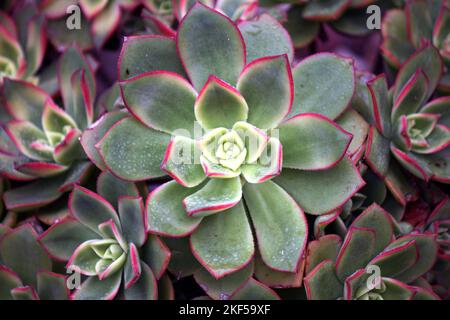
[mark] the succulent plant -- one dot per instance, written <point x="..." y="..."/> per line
<point x="249" y="128"/>
<point x="405" y="30"/>
<point x="339" y="269"/>
<point x="22" y="43"/>
<point x="41" y="141"/>
<point x="26" y="268"/>
<point x="406" y="125"/>
<point x="111" y="248"/>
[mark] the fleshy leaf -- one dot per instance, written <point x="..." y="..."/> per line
<point x="133" y="151"/>
<point x="91" y="209"/>
<point x="377" y="152"/>
<point x="254" y="290"/>
<point x="411" y="97"/>
<point x="156" y="254"/>
<point x="29" y="138"/>
<point x="352" y="122"/>
<point x="132" y="218"/>
<point x="223" y="288"/>
<point x="223" y="243"/>
<point x="182" y="162"/>
<point x="145" y="287"/>
<point x="356" y="251"/>
<point x="147" y="53"/>
<point x="322" y="142"/>
<point x="268" y="165"/>
<point x="322" y="283"/>
<point x="132" y="270"/>
<point x="379" y="100"/>
<point x="219" y="105"/>
<point x="161" y="100"/>
<point x="210" y="44"/>
<point x="320" y="74"/>
<point x="378" y="220"/>
<point x="165" y="211"/>
<point x="396" y="259"/>
<point x="267" y="86"/>
<point x="264" y="37"/>
<point x="427" y="59"/>
<point x="325" y="248"/>
<point x="280" y="225"/>
<point x="52" y="286"/>
<point x="95" y="289"/>
<point x="112" y="188"/>
<point x="92" y="135"/>
<point x="62" y="238"/>
<point x="319" y="192"/>
<point x="9" y="280"/>
<point x="21" y="252"/>
<point x="217" y="195"/>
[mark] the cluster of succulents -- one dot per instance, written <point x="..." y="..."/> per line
<point x="194" y="150"/>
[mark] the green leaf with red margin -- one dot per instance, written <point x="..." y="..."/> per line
<point x="165" y="288"/>
<point x="132" y="151"/>
<point x="112" y="188"/>
<point x="133" y="219"/>
<point x="35" y="194"/>
<point x="165" y="212"/>
<point x="427" y="250"/>
<point x="9" y="280"/>
<point x="63" y="237"/>
<point x="278" y="279"/>
<point x="161" y="100"/>
<point x="145" y="287"/>
<point x="91" y="209"/>
<point x="322" y="283"/>
<point x="24" y="101"/>
<point x="81" y="107"/>
<point x="222" y="289"/>
<point x="267" y="86"/>
<point x="28" y="138"/>
<point x="352" y="122"/>
<point x="35" y="44"/>
<point x="411" y="97"/>
<point x="280" y="225"/>
<point x="378" y="220"/>
<point x="182" y="162"/>
<point x="395" y="260"/>
<point x="420" y="21"/>
<point x="323" y="142"/>
<point x="268" y="165"/>
<point x="182" y="262"/>
<point x="379" y="102"/>
<point x="264" y="36"/>
<point x="95" y="289"/>
<point x="132" y="269"/>
<point x="325" y="248"/>
<point x="440" y="106"/>
<point x="325" y="10"/>
<point x="319" y="192"/>
<point x="219" y="105"/>
<point x="254" y="290"/>
<point x="52" y="286"/>
<point x="215" y="196"/>
<point x="429" y="61"/>
<point x="93" y="135"/>
<point x="320" y="73"/>
<point x="377" y="153"/>
<point x="411" y="163"/>
<point x="396" y="290"/>
<point x="92" y="7"/>
<point x="56" y="30"/>
<point x="399" y="185"/>
<point x="396" y="47"/>
<point x="156" y="254"/>
<point x="21" y="252"/>
<point x="148" y="53"/>
<point x="223" y="243"/>
<point x="356" y="251"/>
<point x="209" y="43"/>
<point x="105" y="23"/>
<point x="71" y="61"/>
<point x="441" y="27"/>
